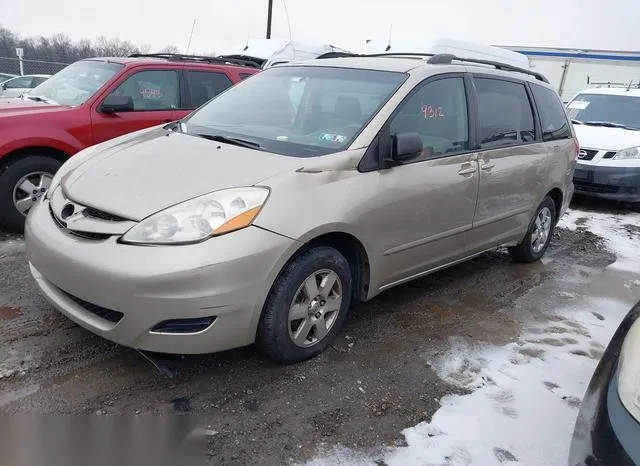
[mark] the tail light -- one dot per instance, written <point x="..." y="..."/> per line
<point x="576" y="145"/>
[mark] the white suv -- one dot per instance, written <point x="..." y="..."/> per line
<point x="607" y="123"/>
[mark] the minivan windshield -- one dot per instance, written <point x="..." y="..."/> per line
<point x="76" y="83"/>
<point x="606" y="110"/>
<point x="301" y="111"/>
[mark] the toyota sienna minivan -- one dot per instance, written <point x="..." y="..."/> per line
<point x="265" y="213"/>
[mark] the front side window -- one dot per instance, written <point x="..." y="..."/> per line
<point x="151" y="90"/>
<point x="438" y="113"/>
<point x="297" y="111"/>
<point x="19" y="83"/>
<point x="552" y="115"/>
<point x="504" y="113"/>
<point x="204" y="86"/>
<point x="76" y="83"/>
<point x="606" y="110"/>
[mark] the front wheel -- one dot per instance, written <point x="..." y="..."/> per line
<point x="538" y="237"/>
<point x="22" y="184"/>
<point x="306" y="307"/>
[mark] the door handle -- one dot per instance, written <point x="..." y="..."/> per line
<point x="469" y="170"/>
<point x="486" y="166"/>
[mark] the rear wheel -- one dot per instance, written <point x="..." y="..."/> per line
<point x="306" y="307"/>
<point x="22" y="184"/>
<point x="538" y="237"/>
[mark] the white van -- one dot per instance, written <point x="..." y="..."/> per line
<point x="448" y="45"/>
<point x="271" y="52"/>
<point x="607" y="124"/>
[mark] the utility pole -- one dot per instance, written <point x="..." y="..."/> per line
<point x="269" y="14"/>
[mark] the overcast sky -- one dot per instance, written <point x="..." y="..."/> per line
<point x="609" y="24"/>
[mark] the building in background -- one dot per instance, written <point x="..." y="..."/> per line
<point x="572" y="70"/>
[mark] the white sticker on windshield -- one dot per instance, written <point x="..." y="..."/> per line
<point x="579" y="104"/>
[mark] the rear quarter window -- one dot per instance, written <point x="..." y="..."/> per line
<point x="555" y="124"/>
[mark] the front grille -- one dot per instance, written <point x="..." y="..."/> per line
<point x="587" y="154"/>
<point x="81" y="234"/>
<point x="102" y="312"/>
<point x="89" y="235"/>
<point x="609" y="155"/>
<point x="99" y="214"/>
<point x="595" y="187"/>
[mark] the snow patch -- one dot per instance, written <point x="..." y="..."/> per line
<point x="524" y="396"/>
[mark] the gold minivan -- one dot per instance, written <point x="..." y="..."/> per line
<point x="262" y="215"/>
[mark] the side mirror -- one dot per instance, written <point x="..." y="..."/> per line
<point x="406" y="146"/>
<point x="4" y="86"/>
<point x="117" y="104"/>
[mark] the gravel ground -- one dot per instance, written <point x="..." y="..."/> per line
<point x="372" y="383"/>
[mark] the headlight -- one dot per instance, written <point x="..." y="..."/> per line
<point x="631" y="153"/>
<point x="629" y="375"/>
<point x="200" y="218"/>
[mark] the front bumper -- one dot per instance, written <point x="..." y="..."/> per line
<point x="615" y="183"/>
<point x="605" y="433"/>
<point x="121" y="292"/>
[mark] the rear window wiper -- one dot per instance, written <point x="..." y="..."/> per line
<point x="609" y="124"/>
<point x="229" y="140"/>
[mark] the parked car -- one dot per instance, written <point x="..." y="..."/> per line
<point x="607" y="430"/>
<point x="269" y="215"/>
<point x="270" y="52"/>
<point x="5" y="76"/>
<point x="92" y="101"/>
<point x="607" y="123"/>
<point x="19" y="85"/>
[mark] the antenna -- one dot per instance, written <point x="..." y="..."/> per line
<point x="191" y="35"/>
<point x="389" y="42"/>
<point x="286" y="12"/>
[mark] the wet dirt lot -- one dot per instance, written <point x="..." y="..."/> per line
<point x="373" y="382"/>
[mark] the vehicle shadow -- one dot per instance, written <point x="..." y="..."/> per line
<point x="593" y="204"/>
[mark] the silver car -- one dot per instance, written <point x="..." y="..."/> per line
<point x="14" y="87"/>
<point x="265" y="213"/>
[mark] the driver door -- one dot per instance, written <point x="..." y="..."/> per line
<point x="155" y="94"/>
<point x="424" y="208"/>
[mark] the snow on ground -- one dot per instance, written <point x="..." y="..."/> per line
<point x="524" y="397"/>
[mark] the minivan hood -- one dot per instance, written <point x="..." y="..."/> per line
<point x="161" y="168"/>
<point x="603" y="138"/>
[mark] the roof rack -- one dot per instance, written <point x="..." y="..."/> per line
<point x="198" y="58"/>
<point x="440" y="59"/>
<point x="447" y="58"/>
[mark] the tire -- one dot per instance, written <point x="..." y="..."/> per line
<point x="276" y="336"/>
<point x="41" y="167"/>
<point x="530" y="250"/>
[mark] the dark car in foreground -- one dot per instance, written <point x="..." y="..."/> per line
<point x="607" y="430"/>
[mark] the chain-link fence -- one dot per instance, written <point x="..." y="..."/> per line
<point x="11" y="65"/>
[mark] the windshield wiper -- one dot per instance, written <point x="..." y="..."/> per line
<point x="39" y="98"/>
<point x="609" y="124"/>
<point x="228" y="140"/>
<point x="577" y="122"/>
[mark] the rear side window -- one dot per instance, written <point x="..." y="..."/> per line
<point x="552" y="116"/>
<point x="504" y="113"/>
<point x="204" y="86"/>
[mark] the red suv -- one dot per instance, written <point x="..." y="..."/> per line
<point x="91" y="101"/>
